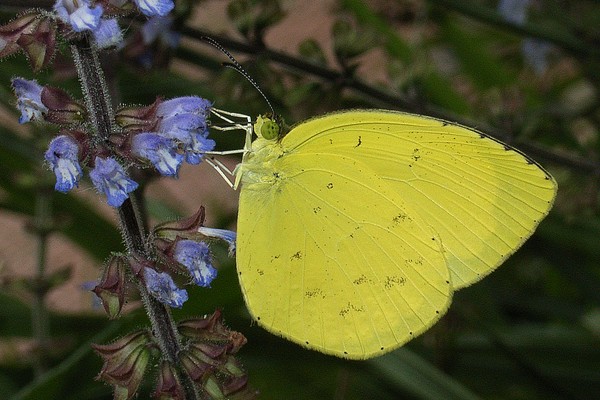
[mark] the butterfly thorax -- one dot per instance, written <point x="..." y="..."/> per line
<point x="258" y="166"/>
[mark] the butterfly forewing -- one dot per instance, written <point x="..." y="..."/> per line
<point x="482" y="197"/>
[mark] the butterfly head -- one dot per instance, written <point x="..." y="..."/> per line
<point x="269" y="127"/>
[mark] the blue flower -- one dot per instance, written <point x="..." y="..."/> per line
<point x="78" y="14"/>
<point x="184" y="105"/>
<point x="160" y="28"/>
<point x="29" y="100"/>
<point x="223" y="234"/>
<point x="184" y="119"/>
<point x="107" y="34"/>
<point x="199" y="146"/>
<point x="195" y="256"/>
<point x="514" y="11"/>
<point x="191" y="131"/>
<point x="110" y="178"/>
<point x="63" y="157"/>
<point x="535" y="52"/>
<point x="161" y="286"/>
<point x="155" y="7"/>
<point x="180" y="127"/>
<point x="159" y="150"/>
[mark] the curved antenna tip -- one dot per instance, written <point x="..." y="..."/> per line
<point x="236" y="66"/>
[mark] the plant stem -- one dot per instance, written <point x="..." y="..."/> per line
<point x="39" y="313"/>
<point x="95" y="90"/>
<point x="98" y="103"/>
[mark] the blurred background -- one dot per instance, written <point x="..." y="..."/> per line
<point x="526" y="72"/>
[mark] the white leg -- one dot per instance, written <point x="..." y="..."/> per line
<point x="247" y="126"/>
<point x="231" y="124"/>
<point x="226" y="152"/>
<point x="218" y="166"/>
<point x="236" y="125"/>
<point x="222" y="166"/>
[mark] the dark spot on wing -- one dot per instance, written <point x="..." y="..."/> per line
<point x="393" y="280"/>
<point x="360" y="280"/>
<point x="416" y="154"/>
<point x="359" y="142"/>
<point x="312" y="293"/>
<point x="350" y="308"/>
<point x="330" y="185"/>
<point x="401" y="217"/>
<point x="296" y="256"/>
<point x="417" y="261"/>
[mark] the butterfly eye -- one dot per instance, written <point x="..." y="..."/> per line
<point x="266" y="128"/>
<point x="269" y="129"/>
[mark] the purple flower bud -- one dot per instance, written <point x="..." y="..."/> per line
<point x="108" y="34"/>
<point x="159" y="150"/>
<point x="125" y="362"/>
<point x="111" y="288"/>
<point x="33" y="33"/>
<point x="62" y="109"/>
<point x="151" y="8"/>
<point x="161" y="286"/>
<point x="63" y="157"/>
<point x="78" y="14"/>
<point x="110" y="178"/>
<point x="168" y="385"/>
<point x="195" y="256"/>
<point x="29" y="100"/>
<point x="11" y="32"/>
<point x="223" y="234"/>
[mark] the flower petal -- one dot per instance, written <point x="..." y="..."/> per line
<point x="63" y="157"/>
<point x="162" y="287"/>
<point x="159" y="150"/>
<point x="29" y="100"/>
<point x="110" y="178"/>
<point x="155" y="7"/>
<point x="195" y="256"/>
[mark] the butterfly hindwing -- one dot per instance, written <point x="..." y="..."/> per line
<point x="331" y="258"/>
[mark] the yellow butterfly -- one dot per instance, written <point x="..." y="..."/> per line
<point x="356" y="227"/>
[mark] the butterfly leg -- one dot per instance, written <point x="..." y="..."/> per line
<point x="221" y="169"/>
<point x="245" y="126"/>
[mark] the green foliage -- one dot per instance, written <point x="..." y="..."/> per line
<point x="529" y="331"/>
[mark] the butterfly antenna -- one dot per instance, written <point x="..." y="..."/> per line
<point x="237" y="67"/>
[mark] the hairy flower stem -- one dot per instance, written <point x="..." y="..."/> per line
<point x="98" y="104"/>
<point x="95" y="90"/>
